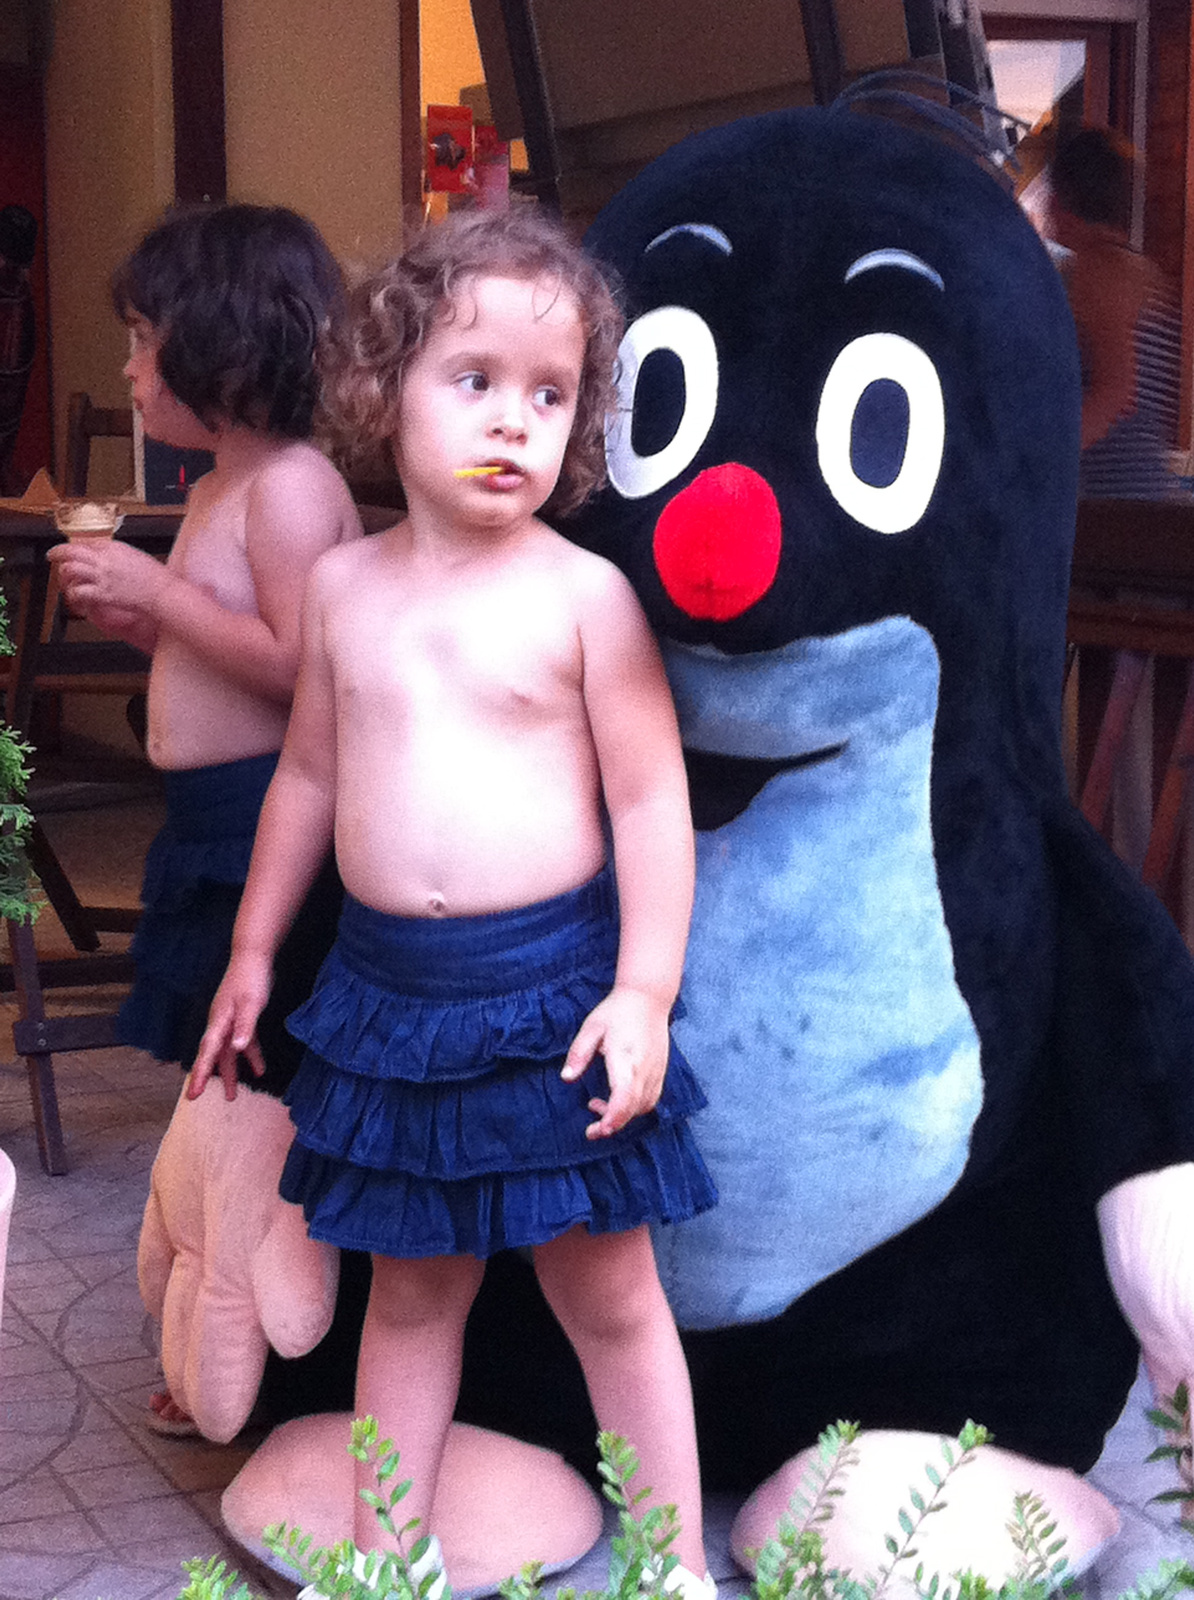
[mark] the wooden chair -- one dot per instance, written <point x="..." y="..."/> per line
<point x="85" y="422"/>
<point x="36" y="1035"/>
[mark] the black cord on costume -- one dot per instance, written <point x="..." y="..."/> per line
<point x="894" y="90"/>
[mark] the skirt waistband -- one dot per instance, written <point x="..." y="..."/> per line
<point x="495" y="953"/>
<point x="220" y="801"/>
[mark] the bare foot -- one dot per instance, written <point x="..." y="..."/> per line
<point x="167" y="1416"/>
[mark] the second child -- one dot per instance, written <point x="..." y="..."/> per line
<point x="226" y="308"/>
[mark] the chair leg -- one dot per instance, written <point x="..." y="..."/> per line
<point x="40" y="1065"/>
<point x="1096" y="792"/>
<point x="1168" y="816"/>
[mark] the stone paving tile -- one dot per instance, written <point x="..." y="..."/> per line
<point x="169" y="1518"/>
<point x="89" y="1451"/>
<point x="21" y="1356"/>
<point x="48" y="1384"/>
<point x="111" y="1581"/>
<point x="25" y="1577"/>
<point x="38" y="1418"/>
<point x="21" y="1454"/>
<point x="103" y="1267"/>
<point x="115" y="1484"/>
<point x="69" y="1534"/>
<point x="123" y="1377"/>
<point x="36" y="1494"/>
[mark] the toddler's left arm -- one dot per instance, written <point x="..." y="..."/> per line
<point x="638" y="750"/>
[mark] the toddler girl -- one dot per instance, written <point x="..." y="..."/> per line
<point x="475" y="696"/>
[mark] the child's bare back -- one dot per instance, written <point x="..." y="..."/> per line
<point x="466" y="761"/>
<point x="248" y="539"/>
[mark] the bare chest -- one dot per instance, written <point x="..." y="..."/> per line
<point x="494" y="661"/>
<point x="210" y="553"/>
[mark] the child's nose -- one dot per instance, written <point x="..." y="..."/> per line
<point x="510" y="414"/>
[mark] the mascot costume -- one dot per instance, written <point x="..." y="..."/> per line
<point x="948" y="1040"/>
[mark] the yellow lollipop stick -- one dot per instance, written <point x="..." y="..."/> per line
<point x="477" y="472"/>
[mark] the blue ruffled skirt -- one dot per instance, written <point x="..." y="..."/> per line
<point x="430" y="1112"/>
<point x="195" y="870"/>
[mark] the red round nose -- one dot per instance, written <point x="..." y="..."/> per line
<point x="717" y="543"/>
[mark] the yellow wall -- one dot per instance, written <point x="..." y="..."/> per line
<point x="312" y="108"/>
<point x="450" y="58"/>
<point x="109" y="173"/>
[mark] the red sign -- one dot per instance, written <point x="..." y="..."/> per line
<point x="450" y="149"/>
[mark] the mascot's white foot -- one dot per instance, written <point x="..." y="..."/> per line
<point x="1148" y="1244"/>
<point x="500" y="1503"/>
<point x="970" y="1534"/>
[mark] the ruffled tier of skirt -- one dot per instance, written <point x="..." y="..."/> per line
<point x="431" y="1115"/>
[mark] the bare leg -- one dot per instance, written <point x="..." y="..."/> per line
<point x="408" y="1374"/>
<point x="605" y="1290"/>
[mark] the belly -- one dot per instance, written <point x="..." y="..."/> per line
<point x="452" y="833"/>
<point x="198" y="718"/>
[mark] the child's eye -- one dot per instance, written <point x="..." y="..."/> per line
<point x="474" y="382"/>
<point x="548" y="395"/>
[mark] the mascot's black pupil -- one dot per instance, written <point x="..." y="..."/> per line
<point x="879" y="433"/>
<point x="659" y="396"/>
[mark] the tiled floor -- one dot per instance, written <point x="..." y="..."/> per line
<point x="92" y="1505"/>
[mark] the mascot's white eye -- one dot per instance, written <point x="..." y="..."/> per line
<point x="667" y="399"/>
<point x="881" y="431"/>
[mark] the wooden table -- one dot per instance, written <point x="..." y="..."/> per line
<point x="53" y="661"/>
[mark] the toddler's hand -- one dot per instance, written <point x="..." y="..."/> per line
<point x="231" y="1027"/>
<point x="630" y="1030"/>
<point x="108" y="572"/>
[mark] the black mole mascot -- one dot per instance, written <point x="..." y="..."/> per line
<point x="948" y="1041"/>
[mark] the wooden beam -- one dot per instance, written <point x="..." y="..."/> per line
<point x="826" y="57"/>
<point x="410" y="90"/>
<point x="197" y="38"/>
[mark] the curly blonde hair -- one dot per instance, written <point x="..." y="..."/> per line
<point x="391" y="313"/>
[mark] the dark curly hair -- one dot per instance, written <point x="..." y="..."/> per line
<point x="1090" y="173"/>
<point x="243" y="297"/>
<point x="392" y="312"/>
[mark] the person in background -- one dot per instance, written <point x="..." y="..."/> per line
<point x="1125" y="313"/>
<point x="227" y="309"/>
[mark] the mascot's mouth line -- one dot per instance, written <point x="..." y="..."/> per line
<point x="721" y="787"/>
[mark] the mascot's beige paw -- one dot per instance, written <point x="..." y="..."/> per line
<point x="971" y="1533"/>
<point x="223" y="1263"/>
<point x="500" y="1504"/>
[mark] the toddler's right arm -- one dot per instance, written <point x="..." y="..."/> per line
<point x="293" y="837"/>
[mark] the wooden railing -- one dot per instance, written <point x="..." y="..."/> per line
<point x="1131" y="638"/>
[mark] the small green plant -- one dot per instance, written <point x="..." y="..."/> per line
<point x="17" y="899"/>
<point x="791" y="1566"/>
<point x="1172" y="1414"/>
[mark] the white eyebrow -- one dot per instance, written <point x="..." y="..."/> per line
<point x="894" y="258"/>
<point x="701" y="230"/>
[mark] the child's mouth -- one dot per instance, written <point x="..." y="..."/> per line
<point x="498" y="474"/>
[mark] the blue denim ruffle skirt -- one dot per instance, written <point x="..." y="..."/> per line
<point x="430" y="1112"/>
